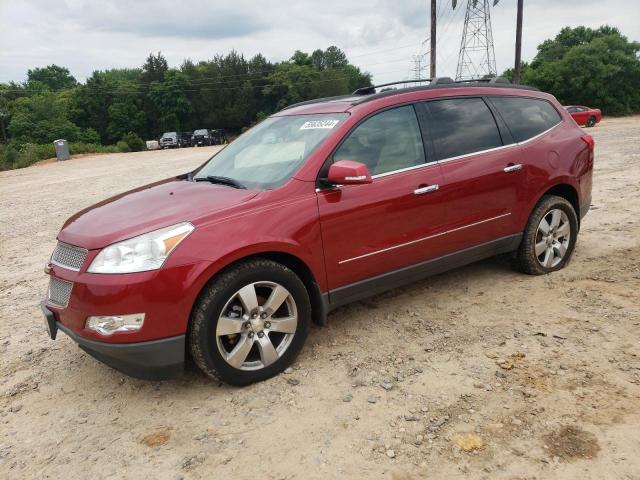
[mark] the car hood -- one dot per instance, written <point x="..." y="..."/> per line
<point x="146" y="209"/>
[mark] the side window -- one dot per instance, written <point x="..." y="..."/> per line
<point x="573" y="109"/>
<point x="462" y="125"/>
<point x="526" y="117"/>
<point x="385" y="142"/>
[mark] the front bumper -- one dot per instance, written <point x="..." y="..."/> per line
<point x="150" y="360"/>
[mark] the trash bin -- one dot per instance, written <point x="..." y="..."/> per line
<point x="62" y="149"/>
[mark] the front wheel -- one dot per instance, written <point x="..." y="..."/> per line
<point x="550" y="236"/>
<point x="250" y="322"/>
<point x="591" y="122"/>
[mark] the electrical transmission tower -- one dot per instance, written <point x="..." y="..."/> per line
<point x="418" y="66"/>
<point x="477" y="56"/>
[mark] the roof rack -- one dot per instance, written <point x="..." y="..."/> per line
<point x="369" y="93"/>
<point x="432" y="81"/>
<point x="488" y="80"/>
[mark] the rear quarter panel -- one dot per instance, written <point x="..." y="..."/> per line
<point x="559" y="156"/>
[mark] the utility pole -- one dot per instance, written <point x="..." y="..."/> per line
<point x="433" y="39"/>
<point x="516" y="71"/>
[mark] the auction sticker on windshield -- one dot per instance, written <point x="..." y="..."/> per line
<point x="319" y="124"/>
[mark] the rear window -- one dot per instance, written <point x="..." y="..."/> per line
<point x="526" y="117"/>
<point x="462" y="126"/>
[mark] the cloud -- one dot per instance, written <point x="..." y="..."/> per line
<point x="380" y="36"/>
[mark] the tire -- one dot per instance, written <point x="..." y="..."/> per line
<point x="541" y="253"/>
<point x="227" y="305"/>
<point x="591" y="122"/>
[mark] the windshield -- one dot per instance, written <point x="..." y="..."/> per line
<point x="268" y="155"/>
<point x="200" y="132"/>
<point x="169" y="134"/>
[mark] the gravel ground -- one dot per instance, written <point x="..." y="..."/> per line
<point x="479" y="373"/>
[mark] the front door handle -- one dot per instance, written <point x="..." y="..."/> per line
<point x="513" y="168"/>
<point x="427" y="189"/>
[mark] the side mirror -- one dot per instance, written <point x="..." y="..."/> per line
<point x="348" y="172"/>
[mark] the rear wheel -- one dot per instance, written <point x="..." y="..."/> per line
<point x="250" y="322"/>
<point x="550" y="236"/>
<point x="591" y="122"/>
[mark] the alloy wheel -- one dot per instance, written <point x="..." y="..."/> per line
<point x="552" y="238"/>
<point x="256" y="326"/>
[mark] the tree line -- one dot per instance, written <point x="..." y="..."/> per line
<point x="583" y="66"/>
<point x="125" y="106"/>
<point x="115" y="110"/>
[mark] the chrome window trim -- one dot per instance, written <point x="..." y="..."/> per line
<point x="459" y="157"/>
<point x="423" y="239"/>
<point x="540" y="134"/>
<point x="402" y="170"/>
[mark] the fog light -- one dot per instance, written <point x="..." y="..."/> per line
<point x="108" y="325"/>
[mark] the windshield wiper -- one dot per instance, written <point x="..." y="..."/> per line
<point x="220" y="180"/>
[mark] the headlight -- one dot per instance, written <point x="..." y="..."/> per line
<point x="142" y="253"/>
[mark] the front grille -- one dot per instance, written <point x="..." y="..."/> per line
<point x="59" y="292"/>
<point x="68" y="256"/>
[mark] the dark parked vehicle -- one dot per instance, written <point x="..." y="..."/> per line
<point x="218" y="137"/>
<point x="322" y="204"/>
<point x="185" y="139"/>
<point x="201" y="138"/>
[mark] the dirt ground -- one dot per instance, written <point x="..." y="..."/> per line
<point x="479" y="373"/>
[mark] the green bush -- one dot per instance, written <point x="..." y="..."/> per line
<point x="136" y="144"/>
<point x="13" y="155"/>
<point x="123" y="146"/>
<point x="89" y="135"/>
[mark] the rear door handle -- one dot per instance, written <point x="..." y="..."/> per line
<point x="427" y="189"/>
<point x="513" y="168"/>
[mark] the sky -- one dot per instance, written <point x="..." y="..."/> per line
<point x="379" y="36"/>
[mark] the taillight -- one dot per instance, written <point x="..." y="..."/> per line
<point x="588" y="139"/>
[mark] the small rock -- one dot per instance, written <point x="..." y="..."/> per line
<point x="192" y="462"/>
<point x="500" y="374"/>
<point x="468" y="441"/>
<point x="391" y="453"/>
<point x="293" y="381"/>
<point x="288" y="370"/>
<point x="15" y="408"/>
<point x="411" y="418"/>
<point x="347" y="398"/>
<point x="372" y="399"/>
<point x="387" y="385"/>
<point x="563" y="367"/>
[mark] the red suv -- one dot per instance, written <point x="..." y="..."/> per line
<point x="322" y="204"/>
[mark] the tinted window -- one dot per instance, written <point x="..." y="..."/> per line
<point x="526" y="117"/>
<point x="388" y="141"/>
<point x="461" y="126"/>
